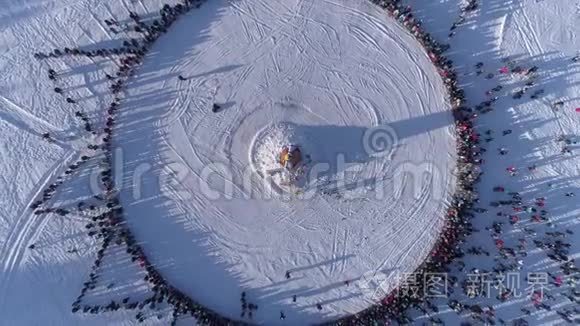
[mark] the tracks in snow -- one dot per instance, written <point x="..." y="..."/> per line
<point x="22" y="119"/>
<point x="27" y="228"/>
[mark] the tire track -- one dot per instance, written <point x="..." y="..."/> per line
<point x="259" y="24"/>
<point x="22" y="119"/>
<point x="27" y="226"/>
<point x="98" y="21"/>
<point x="531" y="44"/>
<point x="334" y="248"/>
<point x="533" y="34"/>
<point x="218" y="173"/>
<point x="343" y="265"/>
<point x="363" y="37"/>
<point x="501" y="34"/>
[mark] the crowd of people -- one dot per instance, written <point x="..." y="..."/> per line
<point x="451" y="247"/>
<point x="457" y="226"/>
<point x="106" y="212"/>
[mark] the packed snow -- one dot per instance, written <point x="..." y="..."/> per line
<point x="327" y="70"/>
<point x="343" y="80"/>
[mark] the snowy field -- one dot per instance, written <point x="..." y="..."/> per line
<point x="344" y="80"/>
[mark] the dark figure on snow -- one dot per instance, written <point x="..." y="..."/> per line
<point x="471" y="6"/>
<point x="518" y="94"/>
<point x="537" y="94"/>
<point x="215" y="108"/>
<point x="70" y="100"/>
<point x="180" y="77"/>
<point x="532" y="70"/>
<point x="46" y="136"/>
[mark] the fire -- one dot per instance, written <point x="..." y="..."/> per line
<point x="290" y="157"/>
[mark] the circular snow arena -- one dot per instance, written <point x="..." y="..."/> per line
<point x="286" y="148"/>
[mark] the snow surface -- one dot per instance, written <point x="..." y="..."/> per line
<point x="335" y="69"/>
<point x="314" y="65"/>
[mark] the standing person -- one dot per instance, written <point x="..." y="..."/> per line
<point x="46" y="136"/>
